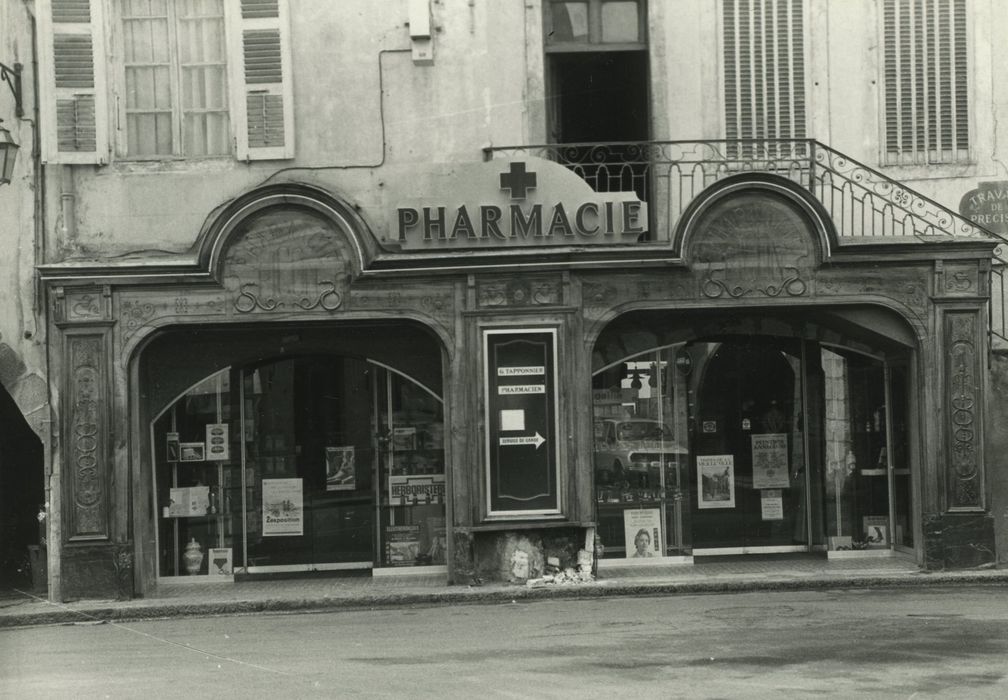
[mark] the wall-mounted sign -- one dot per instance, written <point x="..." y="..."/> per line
<point x="522" y="473"/>
<point x="502" y="203"/>
<point x="987" y="205"/>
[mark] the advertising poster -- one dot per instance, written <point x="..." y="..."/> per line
<point x="876" y="530"/>
<point x="218" y="442"/>
<point x="642" y="533"/>
<point x="219" y="563"/>
<point x="770" y="461"/>
<point x="402" y="544"/>
<point x="188" y="501"/>
<point x="715" y="481"/>
<point x="192" y="451"/>
<point x="341" y="469"/>
<point x="416" y="489"/>
<point x="282" y="507"/>
<point x="772" y="504"/>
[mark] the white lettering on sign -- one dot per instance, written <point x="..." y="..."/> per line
<point x="536" y="440"/>
<point x="521" y="389"/>
<point x="519" y="371"/>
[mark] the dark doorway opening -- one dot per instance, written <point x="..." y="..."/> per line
<point x="599" y="99"/>
<point x="21" y="497"/>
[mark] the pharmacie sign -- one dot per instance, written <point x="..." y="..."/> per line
<point x="531" y="202"/>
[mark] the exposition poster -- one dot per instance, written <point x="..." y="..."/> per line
<point x="283" y="507"/>
<point x="715" y="481"/>
<point x="770" y="461"/>
<point x="642" y="532"/>
<point x="341" y="469"/>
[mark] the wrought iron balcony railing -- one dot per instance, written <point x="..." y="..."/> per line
<point x="865" y="204"/>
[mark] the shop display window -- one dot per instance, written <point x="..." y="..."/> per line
<point x="198" y="480"/>
<point x="867" y="477"/>
<point x="300" y="464"/>
<point x="640" y="449"/>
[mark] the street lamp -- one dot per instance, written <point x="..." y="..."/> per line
<point x="8" y="149"/>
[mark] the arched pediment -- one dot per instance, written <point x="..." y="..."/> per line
<point x="286" y="247"/>
<point x="754" y="236"/>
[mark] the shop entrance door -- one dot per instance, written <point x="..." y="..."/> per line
<point x="748" y="487"/>
<point x="309" y="461"/>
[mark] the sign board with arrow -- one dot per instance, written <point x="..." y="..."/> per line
<point x="521" y="446"/>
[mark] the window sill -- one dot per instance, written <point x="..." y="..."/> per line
<point x="936" y="171"/>
<point x="142" y="166"/>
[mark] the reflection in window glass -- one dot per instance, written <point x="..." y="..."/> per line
<point x="569" y="21"/>
<point x="640" y="446"/>
<point x="619" y="22"/>
<point x="857" y="462"/>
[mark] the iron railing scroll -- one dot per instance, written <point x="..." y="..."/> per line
<point x="862" y="202"/>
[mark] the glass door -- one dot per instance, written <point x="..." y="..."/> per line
<point x="309" y="464"/>
<point x="748" y="488"/>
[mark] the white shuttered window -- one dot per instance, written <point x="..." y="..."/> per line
<point x="192" y="79"/>
<point x="764" y="69"/>
<point x="175" y="65"/>
<point x="925" y="82"/>
<point x="73" y="93"/>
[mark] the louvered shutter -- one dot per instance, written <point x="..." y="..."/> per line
<point x="926" y="96"/>
<point x="73" y="94"/>
<point x="260" y="65"/>
<point x="764" y="69"/>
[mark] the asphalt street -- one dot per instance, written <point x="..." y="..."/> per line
<point x="898" y="643"/>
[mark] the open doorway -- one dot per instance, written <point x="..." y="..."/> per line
<point x="597" y="90"/>
<point x="21" y="497"/>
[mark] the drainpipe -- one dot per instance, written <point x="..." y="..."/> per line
<point x="68" y="201"/>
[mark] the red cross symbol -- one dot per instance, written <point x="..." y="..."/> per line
<point x="517" y="181"/>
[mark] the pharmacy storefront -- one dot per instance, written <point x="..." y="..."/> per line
<point x="504" y="371"/>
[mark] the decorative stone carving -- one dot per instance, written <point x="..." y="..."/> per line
<point x="286" y="261"/>
<point x="86" y="437"/>
<point x="752" y="245"/>
<point x="519" y="292"/>
<point x="81" y="305"/>
<point x="956" y="279"/>
<point x="965" y="488"/>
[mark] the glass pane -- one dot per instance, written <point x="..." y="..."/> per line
<point x="308" y="459"/>
<point x="857" y="477"/>
<point x="412" y="489"/>
<point x="620" y="22"/>
<point x="198" y="481"/>
<point x="568" y="22"/>
<point x="902" y="484"/>
<point x="640" y="445"/>
<point x="747" y="482"/>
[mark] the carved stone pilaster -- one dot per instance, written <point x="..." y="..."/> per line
<point x="85" y="457"/>
<point x="964" y="479"/>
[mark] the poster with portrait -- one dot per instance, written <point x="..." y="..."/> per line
<point x="715" y="481"/>
<point x="341" y="469"/>
<point x="770" y="461"/>
<point x="642" y="532"/>
<point x="282" y="507"/>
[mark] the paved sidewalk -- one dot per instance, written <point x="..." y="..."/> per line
<point x="728" y="574"/>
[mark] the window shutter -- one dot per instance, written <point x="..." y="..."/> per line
<point x="764" y="69"/>
<point x="926" y="98"/>
<point x="73" y="93"/>
<point x="260" y="66"/>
